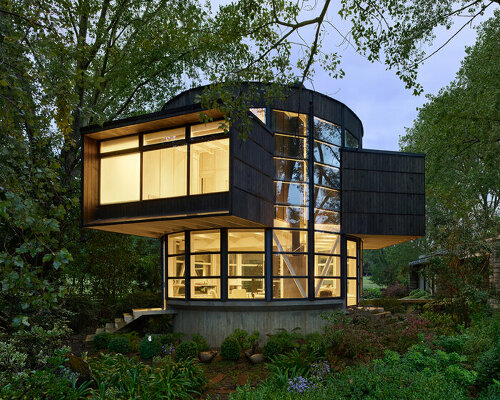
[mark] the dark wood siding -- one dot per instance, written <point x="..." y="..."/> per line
<point x="383" y="193"/>
<point x="201" y="204"/>
<point x="90" y="179"/>
<point x="252" y="170"/>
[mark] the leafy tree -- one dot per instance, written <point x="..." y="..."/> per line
<point x="389" y="265"/>
<point x="459" y="131"/>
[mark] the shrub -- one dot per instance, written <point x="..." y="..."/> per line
<point x="488" y="366"/>
<point x="282" y="342"/>
<point x="419" y="294"/>
<point x="186" y="350"/>
<point x="230" y="349"/>
<point x="271" y="349"/>
<point x="201" y="342"/>
<point x="172" y="338"/>
<point x="315" y="344"/>
<point x="451" y="344"/>
<point x="150" y="346"/>
<point x="371" y="293"/>
<point x="101" y="340"/>
<point x="119" y="344"/>
<point x="396" y="291"/>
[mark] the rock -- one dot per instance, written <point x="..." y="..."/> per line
<point x="257" y="358"/>
<point x="207" y="356"/>
<point x="81" y="367"/>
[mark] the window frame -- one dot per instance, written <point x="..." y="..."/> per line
<point x="142" y="148"/>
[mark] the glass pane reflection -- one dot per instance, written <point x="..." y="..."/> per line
<point x="326" y="154"/>
<point x="327" y="132"/>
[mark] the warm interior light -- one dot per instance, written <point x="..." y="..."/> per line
<point x="120" y="178"/>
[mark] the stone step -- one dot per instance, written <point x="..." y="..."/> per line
<point x="89" y="339"/>
<point x="100" y="330"/>
<point x="110" y="327"/>
<point x="128" y="318"/>
<point x="119" y="323"/>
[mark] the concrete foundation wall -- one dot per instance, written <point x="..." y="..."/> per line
<point x="215" y="324"/>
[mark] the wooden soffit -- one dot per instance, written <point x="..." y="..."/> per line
<point x="147" y="124"/>
<point x="160" y="227"/>
<point x="372" y="242"/>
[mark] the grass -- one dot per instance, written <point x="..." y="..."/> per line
<point x="368" y="284"/>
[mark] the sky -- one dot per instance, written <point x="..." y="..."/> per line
<point x="377" y="96"/>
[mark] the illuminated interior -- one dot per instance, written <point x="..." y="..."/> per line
<point x="165" y="164"/>
<point x="301" y="256"/>
<point x="120" y="178"/>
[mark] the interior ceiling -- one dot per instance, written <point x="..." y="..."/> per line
<point x="158" y="228"/>
<point x="372" y="242"/>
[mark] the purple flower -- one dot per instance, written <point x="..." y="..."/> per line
<point x="299" y="384"/>
<point x="167" y="350"/>
<point x="320" y="369"/>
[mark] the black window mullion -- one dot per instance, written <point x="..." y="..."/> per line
<point x="187" y="263"/>
<point x="268" y="264"/>
<point x="223" y="264"/>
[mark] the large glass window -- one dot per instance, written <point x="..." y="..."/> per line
<point x="164" y="173"/>
<point x="205" y="241"/>
<point x="124" y="143"/>
<point x="327" y="199"/>
<point x="290" y="122"/>
<point x="290" y="217"/>
<point x="326" y="176"/>
<point x="352" y="273"/>
<point x="289" y="241"/>
<point x="246" y="276"/>
<point x="325" y="220"/>
<point x="326" y="154"/>
<point x="176" y="265"/>
<point x="120" y="178"/>
<point x="176" y="244"/>
<point x="291" y="193"/>
<point x="290" y="146"/>
<point x="327" y="132"/>
<point x="290" y="169"/>
<point x="209" y="165"/>
<point x="245" y="240"/>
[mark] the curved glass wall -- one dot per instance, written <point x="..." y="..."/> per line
<point x="303" y="255"/>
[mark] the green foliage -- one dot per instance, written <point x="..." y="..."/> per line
<point x="119" y="344"/>
<point x="186" y="350"/>
<point x="150" y="346"/>
<point x="101" y="340"/>
<point x="118" y="377"/>
<point x="419" y="294"/>
<point x="201" y="342"/>
<point x="230" y="349"/>
<point x="374" y="293"/>
<point x="281" y="342"/>
<point x="173" y="338"/>
<point x="315" y="345"/>
<point x="458" y="131"/>
<point x="389" y="265"/>
<point x="245" y="340"/>
<point x="488" y="366"/>
<point x="53" y="381"/>
<point x="419" y="374"/>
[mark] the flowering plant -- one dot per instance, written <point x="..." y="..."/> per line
<point x="299" y="384"/>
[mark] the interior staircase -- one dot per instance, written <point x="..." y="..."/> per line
<point x="128" y="318"/>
